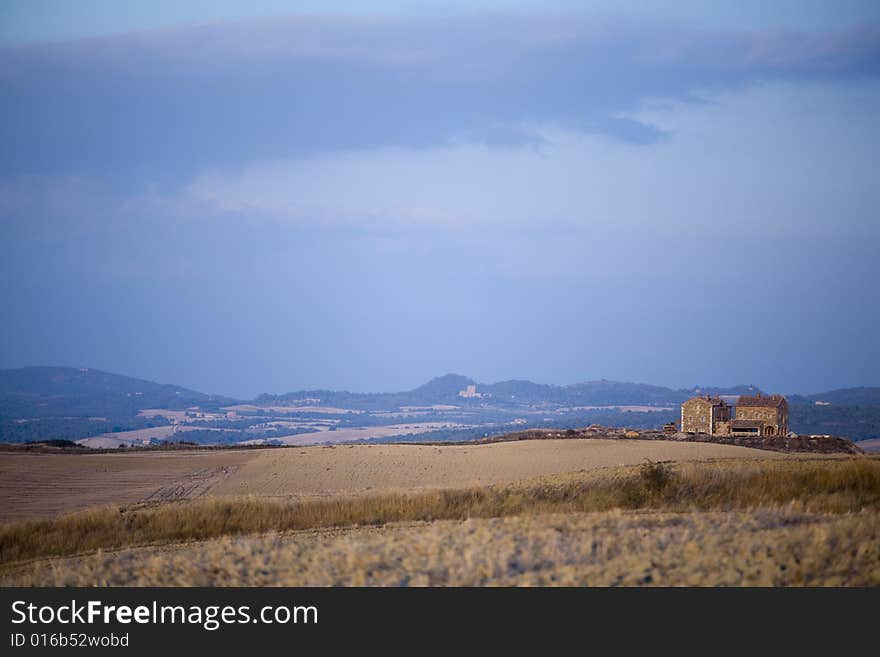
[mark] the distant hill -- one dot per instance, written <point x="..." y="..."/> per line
<point x="39" y="403"/>
<point x="616" y="392"/>
<point x="32" y="392"/>
<point x="522" y="391"/>
<point x="70" y="381"/>
<point x="730" y="390"/>
<point x="442" y="387"/>
<point x="590" y="393"/>
<point x="445" y="389"/>
<point x="846" y="397"/>
<point x="850" y="412"/>
<point x="853" y="412"/>
<point x="440" y="390"/>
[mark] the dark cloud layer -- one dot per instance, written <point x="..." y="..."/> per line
<point x="157" y="107"/>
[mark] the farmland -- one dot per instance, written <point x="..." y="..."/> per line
<point x="43" y="485"/>
<point x="779" y="547"/>
<point x="530" y="513"/>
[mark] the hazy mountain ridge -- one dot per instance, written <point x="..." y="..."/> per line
<point x="69" y="403"/>
<point x="61" y="380"/>
<point x="72" y="403"/>
<point x="446" y="388"/>
<point x="63" y="385"/>
<point x="862" y="396"/>
<point x="54" y="391"/>
<point x="728" y="390"/>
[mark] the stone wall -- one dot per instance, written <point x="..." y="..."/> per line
<point x="695" y="415"/>
<point x="769" y="415"/>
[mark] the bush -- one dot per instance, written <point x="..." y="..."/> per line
<point x="655" y="476"/>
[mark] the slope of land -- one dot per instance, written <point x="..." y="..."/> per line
<point x="355" y="469"/>
<point x="774" y="521"/>
<point x="43" y="485"/>
<point x="72" y="391"/>
<point x="778" y="547"/>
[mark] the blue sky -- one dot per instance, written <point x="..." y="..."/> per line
<point x="53" y="20"/>
<point x="277" y="196"/>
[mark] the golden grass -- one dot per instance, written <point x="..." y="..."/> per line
<point x="826" y="485"/>
<point x="373" y="469"/>
<point x="763" y="547"/>
<point x="46" y="485"/>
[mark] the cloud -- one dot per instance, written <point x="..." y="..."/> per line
<point x="777" y="158"/>
<point x="159" y="107"/>
<point x="564" y="218"/>
<point x="464" y="47"/>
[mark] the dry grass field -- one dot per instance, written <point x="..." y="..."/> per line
<point x="774" y="521"/>
<point x="44" y="485"/>
<point x="128" y="438"/>
<point x="780" y="547"/>
<point x="361" y="469"/>
<point x="351" y="434"/>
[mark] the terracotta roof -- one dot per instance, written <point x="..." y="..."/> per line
<point x="746" y="424"/>
<point x="760" y="400"/>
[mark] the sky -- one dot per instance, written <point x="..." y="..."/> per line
<point x="273" y="196"/>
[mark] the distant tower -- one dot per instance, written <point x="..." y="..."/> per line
<point x="470" y="391"/>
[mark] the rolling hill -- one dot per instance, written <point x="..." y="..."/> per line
<point x="39" y="403"/>
<point x="69" y="391"/>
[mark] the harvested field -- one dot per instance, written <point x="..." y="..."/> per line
<point x="127" y="438"/>
<point x="137" y="437"/>
<point x="838" y="485"/>
<point x="43" y="485"/>
<point x="325" y="410"/>
<point x="772" y="521"/>
<point x="323" y="435"/>
<point x="355" y="469"/>
<point x="770" y="547"/>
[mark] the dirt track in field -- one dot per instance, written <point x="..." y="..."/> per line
<point x="43" y="485"/>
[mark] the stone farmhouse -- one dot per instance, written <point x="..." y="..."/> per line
<point x="757" y="415"/>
